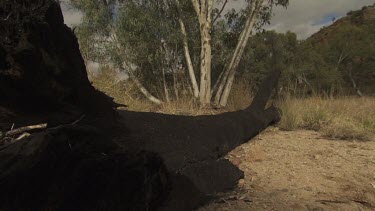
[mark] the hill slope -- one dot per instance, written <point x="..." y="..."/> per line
<point x="348" y="47"/>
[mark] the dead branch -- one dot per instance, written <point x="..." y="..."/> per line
<point x="219" y="13"/>
<point x="25" y="129"/>
<point x="8" y="139"/>
<point x="23" y="135"/>
<point x="73" y="123"/>
<point x="78" y="120"/>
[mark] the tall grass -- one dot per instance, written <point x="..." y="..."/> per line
<point x="122" y="93"/>
<point x="342" y="118"/>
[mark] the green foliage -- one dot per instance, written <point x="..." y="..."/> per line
<point x="146" y="35"/>
<point x="344" y="51"/>
<point x="267" y="51"/>
<point x="139" y="36"/>
<point x="326" y="62"/>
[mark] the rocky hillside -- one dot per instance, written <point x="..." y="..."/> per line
<point x="364" y="19"/>
<point x="348" y="46"/>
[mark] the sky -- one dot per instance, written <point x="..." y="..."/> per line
<point x="303" y="17"/>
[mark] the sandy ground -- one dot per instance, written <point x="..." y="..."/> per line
<point x="301" y="170"/>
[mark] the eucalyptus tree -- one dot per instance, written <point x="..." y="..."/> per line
<point x="257" y="13"/>
<point x="144" y="37"/>
<point x="136" y="36"/>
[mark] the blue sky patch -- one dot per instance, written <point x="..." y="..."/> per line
<point x="328" y="19"/>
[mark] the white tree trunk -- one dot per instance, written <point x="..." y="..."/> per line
<point x="203" y="9"/>
<point x="187" y="54"/>
<point x="205" y="82"/>
<point x="356" y="88"/>
<point x="225" y="85"/>
<point x="143" y="89"/>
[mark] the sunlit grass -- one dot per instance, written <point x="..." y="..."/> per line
<point x="343" y="118"/>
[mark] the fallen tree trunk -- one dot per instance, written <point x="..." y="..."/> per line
<point x="74" y="164"/>
<point x="77" y="168"/>
<point x="194" y="147"/>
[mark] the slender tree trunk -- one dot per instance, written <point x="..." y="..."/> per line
<point x="143" y="90"/>
<point x="356" y="88"/>
<point x="189" y="88"/>
<point x="342" y="57"/>
<point x="303" y="77"/>
<point x="214" y="90"/>
<point x="203" y="9"/>
<point x="166" y="92"/>
<point x="225" y="85"/>
<point x="205" y="83"/>
<point x="175" y="84"/>
<point x="189" y="62"/>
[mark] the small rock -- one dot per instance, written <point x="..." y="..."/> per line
<point x="247" y="199"/>
<point x="236" y="161"/>
<point x="308" y="188"/>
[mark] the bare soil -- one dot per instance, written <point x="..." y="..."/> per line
<point x="301" y="170"/>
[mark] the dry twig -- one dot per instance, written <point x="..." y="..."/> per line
<point x="25" y="129"/>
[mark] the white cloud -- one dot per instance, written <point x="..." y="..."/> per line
<point x="304" y="17"/>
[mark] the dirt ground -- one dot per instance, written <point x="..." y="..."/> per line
<point x="301" y="170"/>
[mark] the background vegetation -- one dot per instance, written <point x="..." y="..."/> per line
<point x="326" y="85"/>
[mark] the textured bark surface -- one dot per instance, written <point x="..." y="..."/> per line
<point x="204" y="13"/>
<point x="77" y="168"/>
<point x="43" y="73"/>
<point x="72" y="167"/>
<point x="189" y="62"/>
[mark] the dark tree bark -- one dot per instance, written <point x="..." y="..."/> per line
<point x="77" y="168"/>
<point x="193" y="147"/>
<point x="72" y="167"/>
<point x="139" y="161"/>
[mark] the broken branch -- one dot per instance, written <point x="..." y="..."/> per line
<point x="25" y="129"/>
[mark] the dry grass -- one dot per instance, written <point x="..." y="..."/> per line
<point x="123" y="92"/>
<point x="341" y="118"/>
<point x="126" y="93"/>
<point x="240" y="96"/>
